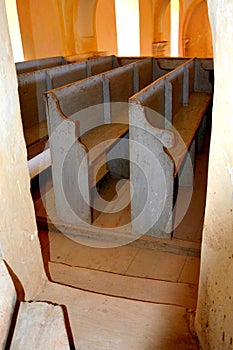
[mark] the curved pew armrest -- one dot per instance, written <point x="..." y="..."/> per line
<point x="138" y="119"/>
<point x="55" y="116"/>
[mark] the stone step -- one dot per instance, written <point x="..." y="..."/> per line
<point x="40" y="326"/>
<point x="129" y="287"/>
<point x="7" y="303"/>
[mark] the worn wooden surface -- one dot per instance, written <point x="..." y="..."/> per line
<point x="37" y="64"/>
<point x="35" y="133"/>
<point x="7" y="303"/>
<point x="186" y="123"/>
<point x="39" y="326"/>
<point x="100" y="139"/>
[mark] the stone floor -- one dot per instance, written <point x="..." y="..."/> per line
<point x="146" y="274"/>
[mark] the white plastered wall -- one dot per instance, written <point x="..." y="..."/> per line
<point x="18" y="232"/>
<point x="214" y="319"/>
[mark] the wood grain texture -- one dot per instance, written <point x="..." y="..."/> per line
<point x="7" y="303"/>
<point x="100" y="139"/>
<point x="40" y="326"/>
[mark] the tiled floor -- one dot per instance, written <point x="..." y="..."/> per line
<point x="126" y="260"/>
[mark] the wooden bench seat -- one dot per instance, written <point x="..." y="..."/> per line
<point x="98" y="142"/>
<point x="187" y="122"/>
<point x="36" y="138"/>
<point x="166" y="120"/>
<point x="106" y="136"/>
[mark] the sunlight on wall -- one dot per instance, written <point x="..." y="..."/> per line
<point x="13" y="22"/>
<point x="174" y="27"/>
<point x="128" y="31"/>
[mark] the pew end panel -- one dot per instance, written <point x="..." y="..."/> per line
<point x="67" y="153"/>
<point x="151" y="175"/>
<point x="152" y="98"/>
<point x="83" y="101"/>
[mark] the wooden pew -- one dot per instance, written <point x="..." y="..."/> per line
<point x="38" y="64"/>
<point x="149" y="69"/>
<point x="86" y="127"/>
<point x="78" y="101"/>
<point x="38" y="325"/>
<point x="34" y="84"/>
<point x="165" y="119"/>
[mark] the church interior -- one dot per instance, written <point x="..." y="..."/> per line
<point x="125" y="279"/>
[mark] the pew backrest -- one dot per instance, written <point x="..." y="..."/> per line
<point x="101" y="64"/>
<point x="38" y="64"/>
<point x="121" y="83"/>
<point x="143" y="72"/>
<point x="63" y="75"/>
<point x="175" y="84"/>
<point x="119" y="86"/>
<point x="167" y="95"/>
<point x="81" y="101"/>
<point x="31" y="87"/>
<point x="152" y="98"/>
<point x="146" y="71"/>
